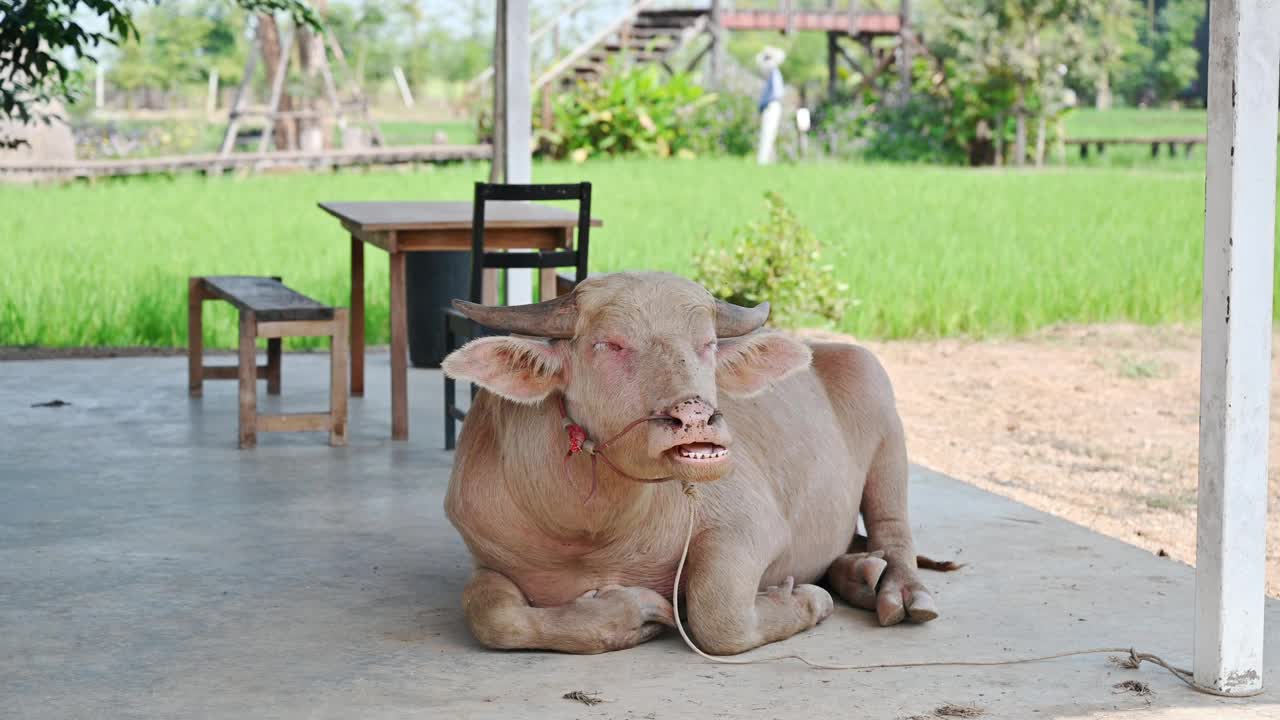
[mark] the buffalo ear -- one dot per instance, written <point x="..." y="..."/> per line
<point x="522" y="370"/>
<point x="751" y="364"/>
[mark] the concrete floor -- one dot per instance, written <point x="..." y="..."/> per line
<point x="149" y="569"/>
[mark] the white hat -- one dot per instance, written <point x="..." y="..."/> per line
<point x="770" y="57"/>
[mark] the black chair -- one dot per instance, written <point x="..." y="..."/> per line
<point x="458" y="328"/>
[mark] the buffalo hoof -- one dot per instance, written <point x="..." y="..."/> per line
<point x="815" y="602"/>
<point x="891" y="590"/>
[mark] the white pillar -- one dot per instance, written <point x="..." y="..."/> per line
<point x="517" y="118"/>
<point x="405" y="95"/>
<point x="1235" y="358"/>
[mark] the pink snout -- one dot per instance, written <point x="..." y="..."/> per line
<point x="693" y="412"/>
<point x="695" y="435"/>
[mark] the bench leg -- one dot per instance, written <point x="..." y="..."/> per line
<point x="248" y="376"/>
<point x="357" y="316"/>
<point x="273" y="366"/>
<point x="195" y="337"/>
<point x="338" y="349"/>
<point x="274" y="347"/>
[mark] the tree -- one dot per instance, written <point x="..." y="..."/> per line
<point x="41" y="42"/>
<point x="1175" y="46"/>
<point x="167" y="51"/>
<point x="366" y="29"/>
<point x="1166" y="65"/>
<point x="1112" y="45"/>
<point x="1016" y="54"/>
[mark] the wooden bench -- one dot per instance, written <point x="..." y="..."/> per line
<point x="269" y="309"/>
<point x="1186" y="141"/>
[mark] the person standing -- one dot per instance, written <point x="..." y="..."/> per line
<point x="769" y="60"/>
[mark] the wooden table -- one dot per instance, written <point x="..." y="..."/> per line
<point x="404" y="227"/>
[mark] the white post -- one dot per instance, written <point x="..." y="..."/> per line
<point x="517" y="119"/>
<point x="99" y="89"/>
<point x="403" y="85"/>
<point x="1235" y="356"/>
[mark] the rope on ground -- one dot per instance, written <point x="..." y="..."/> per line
<point x="1132" y="658"/>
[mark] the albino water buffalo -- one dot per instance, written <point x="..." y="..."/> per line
<point x="788" y="440"/>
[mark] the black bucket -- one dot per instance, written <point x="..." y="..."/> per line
<point x="432" y="281"/>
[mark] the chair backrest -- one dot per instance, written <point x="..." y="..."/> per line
<point x="575" y="257"/>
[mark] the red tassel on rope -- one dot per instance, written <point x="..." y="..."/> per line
<point x="577" y="436"/>
<point x="579" y="442"/>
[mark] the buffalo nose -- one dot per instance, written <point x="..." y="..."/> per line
<point x="692" y="412"/>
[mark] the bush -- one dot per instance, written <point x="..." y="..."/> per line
<point x="840" y="126"/>
<point x="919" y="129"/>
<point x="635" y="111"/>
<point x="939" y="121"/>
<point x="95" y="140"/>
<point x="778" y="260"/>
<point x="726" y="125"/>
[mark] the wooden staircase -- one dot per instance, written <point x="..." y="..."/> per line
<point x="641" y="35"/>
<point x="647" y="33"/>
<point x="654" y="36"/>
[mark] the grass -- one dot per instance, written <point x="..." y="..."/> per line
<point x="926" y="251"/>
<point x="402" y="132"/>
<point x="1135" y="122"/>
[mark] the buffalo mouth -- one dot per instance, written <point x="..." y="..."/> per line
<point x="700" y="453"/>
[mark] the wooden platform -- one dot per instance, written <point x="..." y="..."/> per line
<point x="799" y="21"/>
<point x="679" y="38"/>
<point x="213" y="163"/>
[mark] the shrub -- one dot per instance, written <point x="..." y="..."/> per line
<point x="778" y="260"/>
<point x="630" y="111"/>
<point x="725" y="125"/>
<point x="939" y="121"/>
<point x="136" y="139"/>
<point x="919" y="129"/>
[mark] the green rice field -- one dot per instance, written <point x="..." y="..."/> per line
<point x="925" y="251"/>
<point x="1135" y="122"/>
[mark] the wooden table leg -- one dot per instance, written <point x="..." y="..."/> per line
<point x="247" y="372"/>
<point x="489" y="287"/>
<point x="546" y="284"/>
<point x="399" y="351"/>
<point x="357" y="316"/>
<point x="195" y="337"/>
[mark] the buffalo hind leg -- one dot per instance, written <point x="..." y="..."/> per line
<point x="854" y="577"/>
<point x="611" y="618"/>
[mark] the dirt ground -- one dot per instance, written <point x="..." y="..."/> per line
<point x="1096" y="424"/>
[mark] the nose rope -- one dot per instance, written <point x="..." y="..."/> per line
<point x="1133" y="660"/>
<point x="580" y="442"/>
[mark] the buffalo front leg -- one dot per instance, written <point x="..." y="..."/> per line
<point x="729" y="614"/>
<point x="884" y="578"/>
<point x="610" y="618"/>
